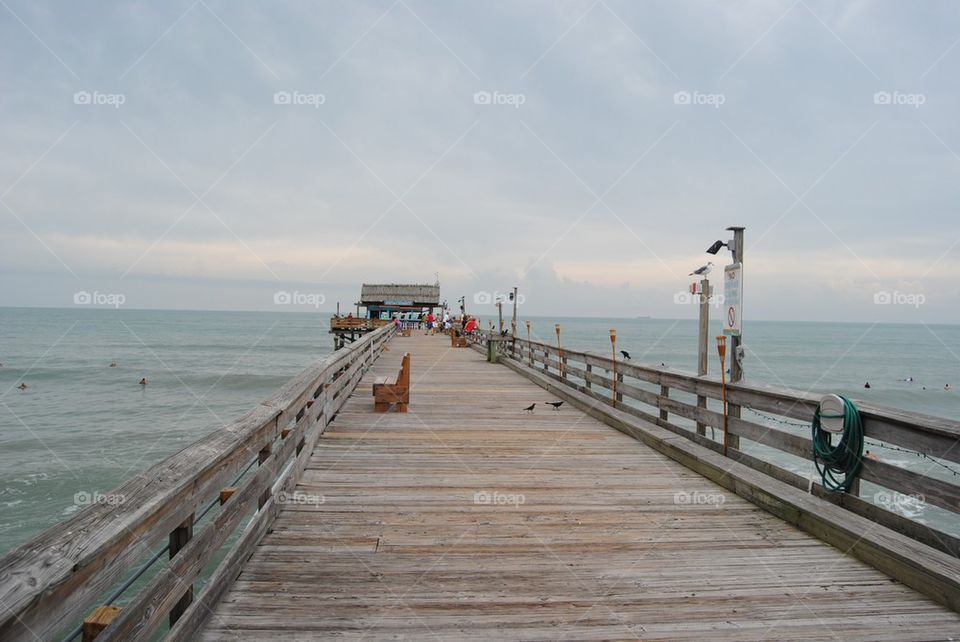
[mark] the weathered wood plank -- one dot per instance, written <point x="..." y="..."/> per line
<point x="612" y="539"/>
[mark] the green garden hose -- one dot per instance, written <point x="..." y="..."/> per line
<point x="838" y="464"/>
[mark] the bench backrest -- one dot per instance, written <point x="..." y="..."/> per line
<point x="403" y="378"/>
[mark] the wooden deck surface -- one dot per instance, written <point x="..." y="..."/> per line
<point x="467" y="518"/>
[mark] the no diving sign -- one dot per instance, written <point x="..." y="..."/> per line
<point x="733" y="298"/>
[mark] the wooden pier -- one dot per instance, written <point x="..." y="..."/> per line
<point x="468" y="518"/>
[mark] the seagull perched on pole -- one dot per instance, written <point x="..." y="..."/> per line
<point x="703" y="270"/>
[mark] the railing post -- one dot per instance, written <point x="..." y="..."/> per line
<point x="262" y="456"/>
<point x="589" y="372"/>
<point x="664" y="392"/>
<point x="179" y="537"/>
<point x="491" y="349"/>
<point x="702" y="339"/>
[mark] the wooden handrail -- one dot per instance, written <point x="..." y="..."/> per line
<point x="54" y="578"/>
<point x="590" y="373"/>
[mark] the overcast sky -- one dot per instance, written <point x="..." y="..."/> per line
<point x="209" y="154"/>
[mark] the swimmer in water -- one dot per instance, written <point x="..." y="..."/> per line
<point x="866" y="385"/>
<point x="143" y="381"/>
<point x="22" y="386"/>
<point x="946" y="386"/>
<point x="113" y="364"/>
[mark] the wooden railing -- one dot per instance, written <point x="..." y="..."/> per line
<point x="357" y="323"/>
<point x="59" y="576"/>
<point x="650" y="393"/>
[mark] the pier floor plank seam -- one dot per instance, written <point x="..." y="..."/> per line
<point x="468" y="518"/>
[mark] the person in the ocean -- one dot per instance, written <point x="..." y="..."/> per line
<point x="22" y="386"/>
<point x="143" y="381"/>
<point x="946" y="386"/>
<point x="113" y="364"/>
<point x="866" y="385"/>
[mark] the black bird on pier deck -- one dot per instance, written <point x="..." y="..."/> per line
<point x="556" y="404"/>
<point x="530" y="408"/>
<point x="626" y="355"/>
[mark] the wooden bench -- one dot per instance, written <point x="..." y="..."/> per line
<point x="397" y="392"/>
<point x="457" y="342"/>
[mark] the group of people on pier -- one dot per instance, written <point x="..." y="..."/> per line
<point x="467" y="325"/>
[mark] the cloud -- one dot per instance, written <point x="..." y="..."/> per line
<point x="506" y="193"/>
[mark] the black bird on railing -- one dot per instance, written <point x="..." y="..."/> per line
<point x="626" y="355"/>
<point x="504" y="332"/>
<point x="556" y="404"/>
<point x="530" y="408"/>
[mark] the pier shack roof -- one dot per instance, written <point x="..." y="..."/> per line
<point x="399" y="295"/>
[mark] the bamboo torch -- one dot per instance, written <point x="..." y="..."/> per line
<point x="529" y="345"/>
<point x="613" y="347"/>
<point x="722" y="349"/>
<point x="559" y="352"/>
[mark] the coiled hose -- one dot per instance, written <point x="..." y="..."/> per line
<point x="838" y="464"/>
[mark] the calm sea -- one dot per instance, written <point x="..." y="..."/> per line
<point x="82" y="427"/>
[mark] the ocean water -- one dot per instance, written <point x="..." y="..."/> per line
<point x="82" y="427"/>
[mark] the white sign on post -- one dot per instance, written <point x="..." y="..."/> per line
<point x="732" y="298"/>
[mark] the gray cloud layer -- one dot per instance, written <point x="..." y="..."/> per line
<point x="585" y="151"/>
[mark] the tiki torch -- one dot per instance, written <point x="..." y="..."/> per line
<point x="722" y="349"/>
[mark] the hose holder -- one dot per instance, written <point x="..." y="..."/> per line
<point x="838" y="464"/>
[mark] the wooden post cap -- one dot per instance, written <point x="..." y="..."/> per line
<point x="226" y="493"/>
<point x="99" y="619"/>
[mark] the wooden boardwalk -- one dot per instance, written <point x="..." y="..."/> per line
<point x="468" y="518"/>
